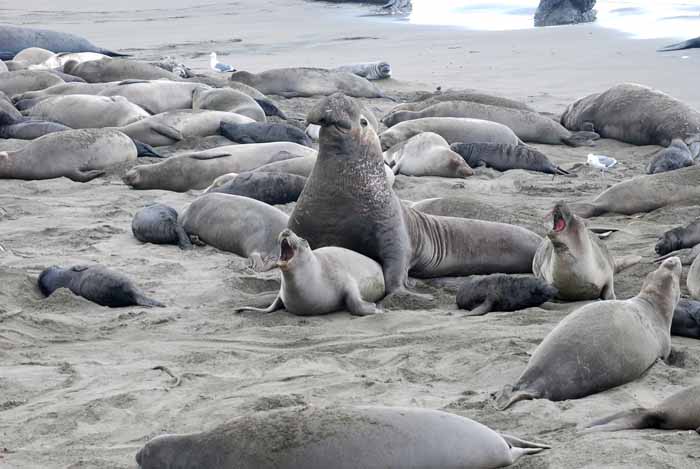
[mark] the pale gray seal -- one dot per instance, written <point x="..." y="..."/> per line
<point x="306" y="82"/>
<point x="12" y="83"/>
<point x="101" y="71"/>
<point x="236" y="224"/>
<point x="324" y="280"/>
<point x="429" y="99"/>
<point x="689" y="44"/>
<point x="529" y="126"/>
<point x="368" y="70"/>
<point x="693" y="279"/>
<point x="57" y="61"/>
<point x="264" y="132"/>
<point x="681" y="237"/>
<point x="97" y="284"/>
<point x="32" y="55"/>
<point x="158" y="224"/>
<point x="677" y="155"/>
<point x="603" y="344"/>
<point x="427" y="154"/>
<point x="500" y="292"/>
<point x="686" y="319"/>
<point x="229" y="100"/>
<point x="62" y="89"/>
<point x="679" y="411"/>
<point x="503" y="156"/>
<point x="3" y="67"/>
<point x="80" y="111"/>
<point x="298" y="166"/>
<point x="271" y="188"/>
<point x="16" y="38"/>
<point x="339" y="438"/>
<point x="156" y="96"/>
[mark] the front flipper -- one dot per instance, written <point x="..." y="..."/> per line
<point x="143" y="300"/>
<point x="509" y="396"/>
<point x="356" y="305"/>
<point x="85" y="176"/>
<point x="482" y="309"/>
<point x="608" y="292"/>
<point x="277" y="304"/>
<point x="627" y="420"/>
<point x="183" y="240"/>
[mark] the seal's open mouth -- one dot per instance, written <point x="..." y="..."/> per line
<point x="558" y="220"/>
<point x="286" y="251"/>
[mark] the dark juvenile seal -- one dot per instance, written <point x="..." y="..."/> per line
<point x="264" y="132"/>
<point x="689" y="44"/>
<point x="21" y="81"/>
<point x="429" y="99"/>
<point x="681" y="237"/>
<point x="680" y="411"/>
<point x="158" y="224"/>
<point x="677" y="155"/>
<point x="686" y="319"/>
<point x="634" y="114"/>
<point x="97" y="284"/>
<point x="502" y="157"/>
<point x="271" y="188"/>
<point x="339" y="438"/>
<point x="25" y="128"/>
<point x="603" y="344"/>
<point x="14" y="39"/>
<point x="324" y="280"/>
<point x="347" y="202"/>
<point x="101" y="71"/>
<point x="499" y="292"/>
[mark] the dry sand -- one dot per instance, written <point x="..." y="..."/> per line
<point x="77" y="388"/>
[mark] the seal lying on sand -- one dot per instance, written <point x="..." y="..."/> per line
<point x="101" y="71"/>
<point x="324" y="280"/>
<point x="271" y="188"/>
<point x="264" y="132"/>
<point x="680" y="411"/>
<point x="32" y="56"/>
<point x="95" y="283"/>
<point x="61" y="89"/>
<point x="21" y="81"/>
<point x="158" y="224"/>
<point x="25" y="128"/>
<point x="499" y="292"/>
<point x="16" y="38"/>
<point x="428" y="99"/>
<point x="155" y="96"/>
<point x="80" y="111"/>
<point x="689" y="44"/>
<point x="686" y="319"/>
<point x="228" y="100"/>
<point x="634" y="114"/>
<point x="427" y="154"/>
<point x="370" y="70"/>
<point x="502" y="157"/>
<point x="677" y="155"/>
<point x="681" y="237"/>
<point x="603" y="344"/>
<point x="693" y="279"/>
<point x="347" y="202"/>
<point x="340" y="438"/>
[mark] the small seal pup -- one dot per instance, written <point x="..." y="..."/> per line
<point x="370" y="70"/>
<point x="340" y="438"/>
<point x="263" y="132"/>
<point x="25" y="128"/>
<point x="679" y="411"/>
<point x="499" y="292"/>
<point x="21" y="81"/>
<point x="228" y="100"/>
<point x="324" y="280"/>
<point x="689" y="44"/>
<point x="686" y="319"/>
<point x="603" y="344"/>
<point x="97" y="284"/>
<point x="502" y="157"/>
<point x="677" y="155"/>
<point x="681" y="237"/>
<point x="236" y="224"/>
<point x="427" y="154"/>
<point x="79" y="111"/>
<point x="158" y="224"/>
<point x="271" y="188"/>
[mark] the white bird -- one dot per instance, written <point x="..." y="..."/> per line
<point x="218" y="66"/>
<point x="600" y="162"/>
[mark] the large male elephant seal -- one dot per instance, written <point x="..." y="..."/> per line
<point x="228" y="100"/>
<point x="80" y="111"/>
<point x="271" y="188"/>
<point x="427" y="154"/>
<point x="339" y="438"/>
<point x="689" y="44"/>
<point x="324" y="280"/>
<point x="500" y="292"/>
<point x="348" y="202"/>
<point x="529" y="126"/>
<point x="158" y="224"/>
<point x="686" y="319"/>
<point x="680" y="411"/>
<point x="452" y="129"/>
<point x="603" y="344"/>
<point x="645" y="193"/>
<point x="101" y="71"/>
<point x="677" y="155"/>
<point x="429" y="99"/>
<point x="156" y="96"/>
<point x="97" y="284"/>
<point x="80" y="155"/>
<point x="681" y="237"/>
<point x="306" y="82"/>
<point x="12" y="83"/>
<point x="634" y="114"/>
<point x="13" y="39"/>
<point x="503" y="156"/>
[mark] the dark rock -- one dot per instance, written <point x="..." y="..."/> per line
<point x="554" y="12"/>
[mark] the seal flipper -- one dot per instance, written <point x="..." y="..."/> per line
<point x="509" y="396"/>
<point x="183" y="240"/>
<point x="580" y="139"/>
<point x="143" y="300"/>
<point x="689" y="44"/>
<point x="482" y="309"/>
<point x="166" y="131"/>
<point x="625" y="262"/>
<point x="277" y="304"/>
<point x="270" y="108"/>
<point x="356" y="305"/>
<point x="143" y="149"/>
<point x="627" y="420"/>
<point x="85" y="176"/>
<point x="586" y="209"/>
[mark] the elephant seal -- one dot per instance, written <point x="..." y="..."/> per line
<point x="80" y="155"/>
<point x="677" y="155"/>
<point x="80" y="111"/>
<point x="158" y="224"/>
<point x="686" y="319"/>
<point x="25" y="128"/>
<point x="529" y="126"/>
<point x="8" y="109"/>
<point x="452" y="129"/>
<point x="3" y="67"/>
<point x="693" y="279"/>
<point x="347" y="202"/>
<point x="12" y="83"/>
<point x="645" y="193"/>
<point x="236" y="224"/>
<point x="427" y="154"/>
<point x="467" y="207"/>
<point x="499" y="292"/>
<point x="156" y="96"/>
<point x="681" y="237"/>
<point x="228" y="100"/>
<point x="198" y="170"/>
<point x="101" y="71"/>
<point x="264" y="132"/>
<point x="97" y="284"/>
<point x="271" y="188"/>
<point x="298" y="166"/>
<point x="302" y="82"/>
<point x="370" y="70"/>
<point x="16" y="38"/>
<point x="603" y="344"/>
<point x="680" y="411"/>
<point x="340" y="438"/>
<point x="324" y="280"/>
<point x="62" y="89"/>
<point x="689" y="44"/>
<point x="57" y="61"/>
<point x="502" y="157"/>
<point x="428" y="99"/>
<point x="634" y="114"/>
<point x="33" y="56"/>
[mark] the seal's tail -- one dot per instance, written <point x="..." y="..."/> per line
<point x="7" y="119"/>
<point x="581" y="139"/>
<point x="271" y="108"/>
<point x="143" y="149"/>
<point x="143" y="300"/>
<point x="678" y="46"/>
<point x="586" y="210"/>
<point x="627" y="420"/>
<point x="111" y="53"/>
<point x="509" y="396"/>
<point x="625" y="262"/>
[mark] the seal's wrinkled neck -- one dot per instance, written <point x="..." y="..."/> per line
<point x="661" y="288"/>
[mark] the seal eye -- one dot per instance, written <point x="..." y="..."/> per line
<point x="363" y="122"/>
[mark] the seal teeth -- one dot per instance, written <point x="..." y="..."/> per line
<point x="287" y="252"/>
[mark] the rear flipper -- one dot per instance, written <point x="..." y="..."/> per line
<point x="580" y="139"/>
<point x="626" y="420"/>
<point x="625" y="262"/>
<point x="586" y="209"/>
<point x="271" y="108"/>
<point x="183" y="240"/>
<point x="689" y="44"/>
<point x="85" y="176"/>
<point x="143" y="149"/>
<point x="143" y="300"/>
<point x="482" y="309"/>
<point x="559" y="171"/>
<point x="277" y="304"/>
<point x="520" y="448"/>
<point x="166" y="131"/>
<point x="509" y="396"/>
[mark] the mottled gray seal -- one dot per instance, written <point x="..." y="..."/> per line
<point x="229" y="100"/>
<point x="428" y="99"/>
<point x="340" y="438"/>
<point x="324" y="280"/>
<point x="603" y="344"/>
<point x="502" y="157"/>
<point x="368" y="70"/>
<point x="80" y="111"/>
<point x="12" y="83"/>
<point x="236" y="224"/>
<point x="427" y="154"/>
<point x="158" y="224"/>
<point x="101" y="71"/>
<point x="156" y="96"/>
<point x="264" y="132"/>
<point x="689" y="44"/>
<point x="677" y="155"/>
<point x="347" y="202"/>
<point x="686" y="319"/>
<point x="271" y="188"/>
<point x="306" y="82"/>
<point x="634" y="114"/>
<point x="681" y="237"/>
<point x="97" y="284"/>
<point x="680" y="411"/>
<point x="499" y="292"/>
<point x="80" y="155"/>
<point x="529" y="126"/>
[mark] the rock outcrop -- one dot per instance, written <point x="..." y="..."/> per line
<point x="555" y="12"/>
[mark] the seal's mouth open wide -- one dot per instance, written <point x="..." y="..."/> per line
<point x="558" y="222"/>
<point x="286" y="251"/>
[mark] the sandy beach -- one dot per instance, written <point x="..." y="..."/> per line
<point x="77" y="384"/>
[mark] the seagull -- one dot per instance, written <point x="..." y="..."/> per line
<point x="219" y="67"/>
<point x="600" y="162"/>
